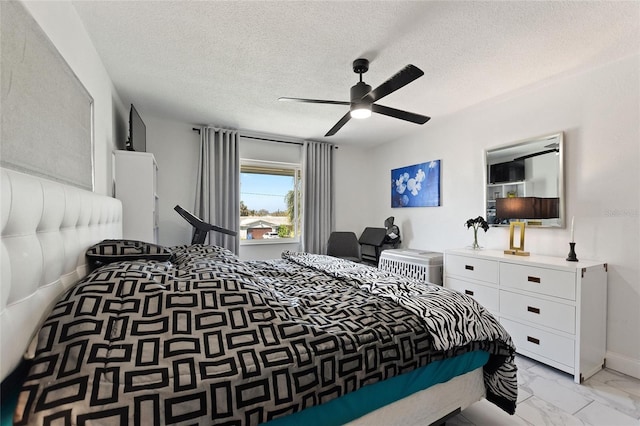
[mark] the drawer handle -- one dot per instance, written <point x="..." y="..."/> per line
<point x="469" y="292"/>
<point x="533" y="340"/>
<point x="534" y="310"/>
<point x="468" y="267"/>
<point x="533" y="279"/>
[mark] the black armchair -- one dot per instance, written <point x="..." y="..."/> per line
<point x="344" y="245"/>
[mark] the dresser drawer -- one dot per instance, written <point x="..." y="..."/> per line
<point x="548" y="345"/>
<point x="485" y="295"/>
<point x="538" y="311"/>
<point x="539" y="280"/>
<point x="471" y="268"/>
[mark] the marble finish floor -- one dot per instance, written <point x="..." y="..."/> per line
<point x="547" y="396"/>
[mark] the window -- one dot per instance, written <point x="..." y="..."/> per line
<point x="270" y="201"/>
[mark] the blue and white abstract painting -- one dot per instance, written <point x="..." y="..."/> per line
<point x="416" y="186"/>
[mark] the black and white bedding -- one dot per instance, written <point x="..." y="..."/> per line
<point x="207" y="338"/>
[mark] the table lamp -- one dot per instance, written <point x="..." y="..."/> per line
<point x="521" y="208"/>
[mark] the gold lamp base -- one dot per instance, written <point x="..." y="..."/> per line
<point x="513" y="249"/>
<point x="517" y="252"/>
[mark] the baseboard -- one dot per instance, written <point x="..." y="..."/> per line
<point x="623" y="364"/>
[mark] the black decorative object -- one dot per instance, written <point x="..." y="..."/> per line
<point x="201" y="228"/>
<point x="572" y="253"/>
<point x="476" y="223"/>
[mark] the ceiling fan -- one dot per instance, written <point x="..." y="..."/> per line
<point x="363" y="98"/>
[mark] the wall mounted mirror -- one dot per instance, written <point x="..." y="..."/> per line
<point x="525" y="182"/>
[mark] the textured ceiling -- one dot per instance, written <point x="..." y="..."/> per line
<point x="226" y="63"/>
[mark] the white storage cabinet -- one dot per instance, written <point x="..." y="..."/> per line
<point x="135" y="177"/>
<point x="555" y="311"/>
<point x="419" y="264"/>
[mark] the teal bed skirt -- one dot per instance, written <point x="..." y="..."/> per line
<point x="369" y="398"/>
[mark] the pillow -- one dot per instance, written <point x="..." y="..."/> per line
<point x="108" y="251"/>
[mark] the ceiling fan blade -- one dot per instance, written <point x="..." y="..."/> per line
<point x="405" y="76"/>
<point x="402" y="115"/>
<point x="339" y="124"/>
<point x="314" y="101"/>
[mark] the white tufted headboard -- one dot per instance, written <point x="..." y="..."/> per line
<point x="46" y="229"/>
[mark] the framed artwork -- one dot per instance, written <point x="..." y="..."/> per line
<point x="416" y="186"/>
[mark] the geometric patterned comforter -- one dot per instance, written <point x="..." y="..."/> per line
<point x="209" y="339"/>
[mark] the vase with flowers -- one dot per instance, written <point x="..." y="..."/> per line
<point x="476" y="223"/>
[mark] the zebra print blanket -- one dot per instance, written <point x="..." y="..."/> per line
<point x="207" y="338"/>
<point x="453" y="319"/>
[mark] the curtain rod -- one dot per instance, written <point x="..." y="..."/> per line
<point x="195" y="129"/>
<point x="270" y="140"/>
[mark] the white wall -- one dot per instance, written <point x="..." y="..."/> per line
<point x="354" y="206"/>
<point x="543" y="183"/>
<point x="62" y="25"/>
<point x="175" y="147"/>
<point x="598" y="111"/>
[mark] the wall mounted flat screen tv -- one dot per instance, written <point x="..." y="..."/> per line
<point x="511" y="171"/>
<point x="137" y="132"/>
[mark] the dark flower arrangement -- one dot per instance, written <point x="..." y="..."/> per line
<point x="476" y="223"/>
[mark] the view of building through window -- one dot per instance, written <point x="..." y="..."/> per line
<point x="269" y="201"/>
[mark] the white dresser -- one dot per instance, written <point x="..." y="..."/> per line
<point x="136" y="176"/>
<point x="555" y="311"/>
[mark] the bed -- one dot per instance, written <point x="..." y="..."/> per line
<point x="194" y="335"/>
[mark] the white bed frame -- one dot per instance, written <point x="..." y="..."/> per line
<point x="46" y="229"/>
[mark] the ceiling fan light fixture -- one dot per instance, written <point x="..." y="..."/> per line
<point x="360" y="111"/>
<point x="360" y="107"/>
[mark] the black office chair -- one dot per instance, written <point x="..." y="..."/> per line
<point x="200" y="227"/>
<point x="371" y="241"/>
<point x="344" y="245"/>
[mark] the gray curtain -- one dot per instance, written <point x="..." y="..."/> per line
<point x="318" y="196"/>
<point x="218" y="188"/>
